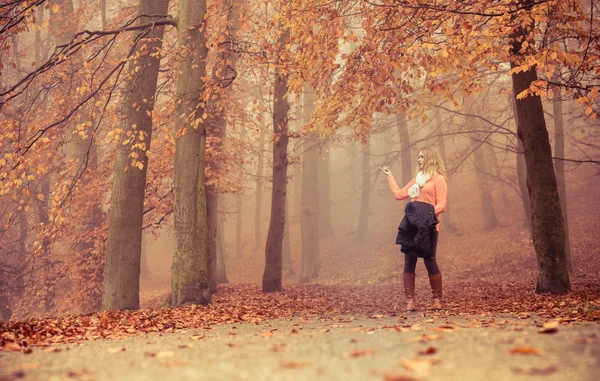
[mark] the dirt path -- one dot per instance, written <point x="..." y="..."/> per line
<point x="422" y="346"/>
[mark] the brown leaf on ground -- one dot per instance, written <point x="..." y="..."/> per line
<point x="160" y="355"/>
<point x="536" y="371"/>
<point x="115" y="350"/>
<point x="397" y="377"/>
<point x="11" y="347"/>
<point x="83" y="373"/>
<point x="278" y="347"/>
<point x="184" y="346"/>
<point x="197" y="337"/>
<point x="526" y="350"/>
<point x="360" y="353"/>
<point x="420" y="366"/>
<point x="266" y="334"/>
<point x="52" y="350"/>
<point x="27" y="351"/>
<point x="428" y="351"/>
<point x="293" y="365"/>
<point x="549" y="327"/>
<point x="425" y="338"/>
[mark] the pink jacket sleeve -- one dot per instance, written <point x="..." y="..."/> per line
<point x="441" y="194"/>
<point x="399" y="194"/>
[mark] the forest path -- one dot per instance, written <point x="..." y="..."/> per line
<point x="423" y="345"/>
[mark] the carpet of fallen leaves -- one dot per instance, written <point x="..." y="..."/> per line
<point x="485" y="273"/>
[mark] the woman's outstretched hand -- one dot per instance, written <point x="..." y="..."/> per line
<point x="385" y="170"/>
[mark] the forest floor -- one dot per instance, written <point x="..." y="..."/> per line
<point x="426" y="345"/>
<point x="349" y="322"/>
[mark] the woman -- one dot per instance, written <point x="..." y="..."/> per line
<point x="430" y="186"/>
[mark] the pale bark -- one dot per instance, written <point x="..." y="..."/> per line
<point x="325" y="223"/>
<point x="124" y="243"/>
<point x="259" y="178"/>
<point x="362" y="230"/>
<point x="273" y="250"/>
<point x="309" y="219"/>
<point x="189" y="271"/>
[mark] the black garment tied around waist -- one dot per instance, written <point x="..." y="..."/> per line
<point x="417" y="233"/>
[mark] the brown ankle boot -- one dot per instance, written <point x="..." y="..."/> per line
<point x="435" y="280"/>
<point x="409" y="290"/>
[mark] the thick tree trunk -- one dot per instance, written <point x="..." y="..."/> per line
<point x="407" y="172"/>
<point x="259" y="177"/>
<point x="559" y="169"/>
<point x="124" y="243"/>
<point x="363" y="215"/>
<point x="482" y="175"/>
<point x="189" y="271"/>
<point x="273" y="250"/>
<point x="547" y="221"/>
<point x="325" y="224"/>
<point x="309" y="219"/>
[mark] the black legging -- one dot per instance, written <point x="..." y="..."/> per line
<point x="410" y="262"/>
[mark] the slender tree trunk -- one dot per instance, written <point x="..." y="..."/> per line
<point x="559" y="169"/>
<point x="273" y="250"/>
<point x="325" y="224"/>
<point x="491" y="153"/>
<point x="288" y="269"/>
<point x="363" y="216"/>
<point x="522" y="172"/>
<point x="224" y="72"/>
<point x="221" y="275"/>
<point x="547" y="221"/>
<point x="238" y="206"/>
<point x="259" y="177"/>
<point x="441" y="142"/>
<point x="124" y="242"/>
<point x="407" y="172"/>
<point x="189" y="271"/>
<point x="309" y="219"/>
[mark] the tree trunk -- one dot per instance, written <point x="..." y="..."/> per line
<point x="407" y="172"/>
<point x="259" y="177"/>
<point x="522" y="171"/>
<point x="221" y="274"/>
<point x="363" y="216"/>
<point x="559" y="170"/>
<point x="224" y="72"/>
<point x="441" y="141"/>
<point x="238" y="206"/>
<point x="288" y="269"/>
<point x="273" y="250"/>
<point x="547" y="221"/>
<point x="309" y="219"/>
<point x="490" y="220"/>
<point x="144" y="269"/>
<point x="189" y="271"/>
<point x="325" y="224"/>
<point x="121" y="285"/>
<point x="491" y="153"/>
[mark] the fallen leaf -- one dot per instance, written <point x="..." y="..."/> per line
<point x="11" y="347"/>
<point x="424" y="338"/>
<point x="160" y="355"/>
<point x="549" y="327"/>
<point x="526" y="350"/>
<point x="422" y="367"/>
<point x="266" y="334"/>
<point x="428" y="351"/>
<point x="360" y="353"/>
<point x="324" y="330"/>
<point x="197" y="337"/>
<point x="293" y="365"/>
<point x="83" y="373"/>
<point x="536" y="371"/>
<point x="397" y="377"/>
<point x="27" y="351"/>
<point x="184" y="346"/>
<point x="115" y="350"/>
<point x="52" y="350"/>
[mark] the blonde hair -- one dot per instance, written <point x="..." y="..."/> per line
<point x="433" y="162"/>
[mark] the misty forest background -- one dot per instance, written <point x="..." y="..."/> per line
<point x="153" y="152"/>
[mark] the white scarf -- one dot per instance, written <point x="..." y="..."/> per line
<point x="420" y="181"/>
